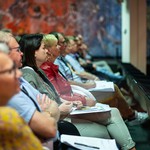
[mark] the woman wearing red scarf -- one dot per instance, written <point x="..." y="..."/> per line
<point x="60" y="83"/>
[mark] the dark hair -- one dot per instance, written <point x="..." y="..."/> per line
<point x="55" y="34"/>
<point x="29" y="44"/>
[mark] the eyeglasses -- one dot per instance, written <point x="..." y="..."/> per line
<point x="62" y="43"/>
<point x="11" y="70"/>
<point x="16" y="48"/>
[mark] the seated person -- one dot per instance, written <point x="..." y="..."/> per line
<point x="70" y="58"/>
<point x="85" y="58"/>
<point x="102" y="72"/>
<point x="14" y="132"/>
<point x="114" y="99"/>
<point x="72" y="77"/>
<point x="42" y="122"/>
<point x="34" y="55"/>
<point x="62" y="87"/>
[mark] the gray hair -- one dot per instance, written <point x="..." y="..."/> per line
<point x="5" y="37"/>
<point x="4" y="47"/>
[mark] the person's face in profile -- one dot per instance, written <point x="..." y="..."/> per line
<point x="15" y="53"/>
<point x="9" y="79"/>
<point x="62" y="42"/>
<point x="41" y="54"/>
<point x="55" y="49"/>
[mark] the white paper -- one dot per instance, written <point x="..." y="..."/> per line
<point x="103" y="86"/>
<point x="86" y="109"/>
<point x="89" y="142"/>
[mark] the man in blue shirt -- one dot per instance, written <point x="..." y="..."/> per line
<point x="28" y="107"/>
<point x="42" y="123"/>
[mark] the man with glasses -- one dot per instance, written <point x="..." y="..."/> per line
<point x="15" y="53"/>
<point x="42" y="124"/>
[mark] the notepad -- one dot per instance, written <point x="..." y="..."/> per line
<point x="89" y="143"/>
<point x="103" y="86"/>
<point x="95" y="109"/>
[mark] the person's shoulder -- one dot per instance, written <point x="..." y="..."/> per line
<point x="57" y="60"/>
<point x="29" y="74"/>
<point x="47" y="65"/>
<point x="6" y="110"/>
<point x="15" y="132"/>
<point x="27" y="70"/>
<point x="69" y="55"/>
<point x="8" y="113"/>
<point x="10" y="120"/>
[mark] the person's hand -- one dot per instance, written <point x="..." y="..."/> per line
<point x="44" y="102"/>
<point x="48" y="105"/>
<point x="94" y="66"/>
<point x="77" y="104"/>
<point x="90" y="102"/>
<point x="88" y="61"/>
<point x="90" y="84"/>
<point x="96" y="79"/>
<point x="65" y="108"/>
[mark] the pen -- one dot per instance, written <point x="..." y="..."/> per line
<point x="86" y="145"/>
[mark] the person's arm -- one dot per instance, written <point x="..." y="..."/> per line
<point x="49" y="106"/>
<point x="87" y="75"/>
<point x="65" y="107"/>
<point x="90" y="102"/>
<point x="78" y="69"/>
<point x="74" y="97"/>
<point x="43" y="126"/>
<point x="87" y="85"/>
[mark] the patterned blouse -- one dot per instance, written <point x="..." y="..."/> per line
<point x="15" y="133"/>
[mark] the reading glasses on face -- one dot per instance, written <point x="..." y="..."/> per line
<point x="16" y="48"/>
<point x="62" y="43"/>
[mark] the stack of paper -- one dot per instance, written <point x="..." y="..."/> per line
<point x="89" y="143"/>
<point x="103" y="86"/>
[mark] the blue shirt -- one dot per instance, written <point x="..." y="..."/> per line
<point x="23" y="104"/>
<point x="65" y="70"/>
<point x="74" y="63"/>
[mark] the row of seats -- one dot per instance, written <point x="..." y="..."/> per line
<point x="139" y="84"/>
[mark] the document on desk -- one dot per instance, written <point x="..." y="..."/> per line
<point x="104" y="86"/>
<point x="95" y="109"/>
<point x="89" y="143"/>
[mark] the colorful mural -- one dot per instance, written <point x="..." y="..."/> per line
<point x="99" y="21"/>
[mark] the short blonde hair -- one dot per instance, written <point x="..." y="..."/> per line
<point x="49" y="40"/>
